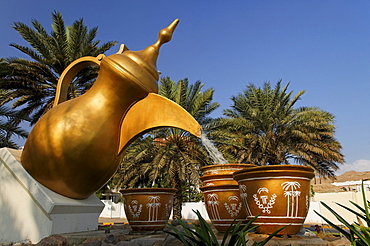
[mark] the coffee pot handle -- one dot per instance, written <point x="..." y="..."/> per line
<point x="70" y="72"/>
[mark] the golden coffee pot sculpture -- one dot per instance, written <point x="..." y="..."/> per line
<point x="76" y="147"/>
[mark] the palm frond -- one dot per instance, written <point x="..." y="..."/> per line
<point x="263" y="127"/>
<point x="32" y="83"/>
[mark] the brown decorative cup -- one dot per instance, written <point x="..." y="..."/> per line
<point x="148" y="209"/>
<point x="279" y="193"/>
<point x="223" y="205"/>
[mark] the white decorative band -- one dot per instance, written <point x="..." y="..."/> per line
<point x="223" y="179"/>
<point x="276" y="217"/>
<point x="219" y="190"/>
<point x="278" y="177"/>
<point x="222" y="169"/>
<point x="225" y="225"/>
<point x="149" y="193"/>
<point x="138" y="221"/>
<point x="226" y="220"/>
<point x="283" y="224"/>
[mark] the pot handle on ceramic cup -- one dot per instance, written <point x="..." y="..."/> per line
<point x="70" y="72"/>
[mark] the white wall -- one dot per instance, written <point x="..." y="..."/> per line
<point x="343" y="198"/>
<point x="112" y="210"/>
<point x="312" y="217"/>
<point x="116" y="210"/>
<point x="187" y="210"/>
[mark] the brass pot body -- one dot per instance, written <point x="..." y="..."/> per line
<point x="223" y="205"/>
<point x="279" y="193"/>
<point x="76" y="147"/>
<point x="73" y="148"/>
<point x="148" y="209"/>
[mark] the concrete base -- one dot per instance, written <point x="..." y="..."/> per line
<point x="30" y="211"/>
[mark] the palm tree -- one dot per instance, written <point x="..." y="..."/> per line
<point x="170" y="157"/>
<point x="264" y="128"/>
<point x="33" y="82"/>
<point x="9" y="118"/>
<point x="8" y="128"/>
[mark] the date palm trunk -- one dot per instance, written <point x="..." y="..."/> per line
<point x="177" y="199"/>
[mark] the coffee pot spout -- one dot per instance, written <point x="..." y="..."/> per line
<point x="155" y="111"/>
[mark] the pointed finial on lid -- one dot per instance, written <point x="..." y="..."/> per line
<point x="165" y="35"/>
<point x="150" y="54"/>
<point x="143" y="63"/>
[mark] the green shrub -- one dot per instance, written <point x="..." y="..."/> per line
<point x="203" y="234"/>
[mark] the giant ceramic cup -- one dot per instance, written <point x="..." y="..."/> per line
<point x="279" y="193"/>
<point x="148" y="209"/>
<point x="223" y="205"/>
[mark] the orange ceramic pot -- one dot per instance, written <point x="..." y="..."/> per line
<point x="223" y="205"/>
<point x="279" y="193"/>
<point x="148" y="209"/>
<point x="218" y="169"/>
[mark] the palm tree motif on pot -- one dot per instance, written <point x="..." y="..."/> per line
<point x="234" y="206"/>
<point x="243" y="196"/>
<point x="135" y="209"/>
<point x="263" y="201"/>
<point x="292" y="195"/>
<point x="212" y="204"/>
<point x="153" y="207"/>
<point x="168" y="208"/>
<point x="210" y="184"/>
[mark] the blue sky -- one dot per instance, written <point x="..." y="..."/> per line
<point x="322" y="47"/>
